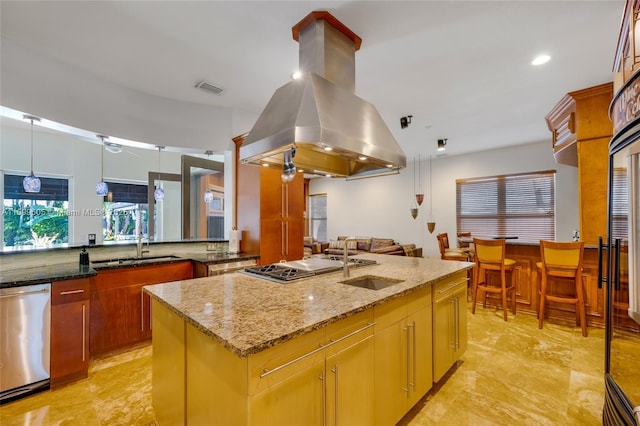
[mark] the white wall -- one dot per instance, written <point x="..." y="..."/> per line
<point x="379" y="207"/>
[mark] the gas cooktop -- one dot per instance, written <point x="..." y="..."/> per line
<point x="299" y="269"/>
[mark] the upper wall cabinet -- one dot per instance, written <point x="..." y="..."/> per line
<point x="579" y="116"/>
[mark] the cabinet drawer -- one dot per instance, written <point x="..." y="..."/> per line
<point x="418" y="300"/>
<point x="390" y="312"/>
<point x="349" y="331"/>
<point x="275" y="364"/>
<point x="447" y="287"/>
<point x="70" y="291"/>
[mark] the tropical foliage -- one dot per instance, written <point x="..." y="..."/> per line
<point x="28" y="222"/>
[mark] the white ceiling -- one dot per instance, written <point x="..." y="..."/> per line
<point x="461" y="69"/>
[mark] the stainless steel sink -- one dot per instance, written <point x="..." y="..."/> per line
<point x="133" y="260"/>
<point x="371" y="282"/>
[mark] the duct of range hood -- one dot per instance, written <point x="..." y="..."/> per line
<point x="334" y="131"/>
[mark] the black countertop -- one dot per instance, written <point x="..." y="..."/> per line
<point x="69" y="271"/>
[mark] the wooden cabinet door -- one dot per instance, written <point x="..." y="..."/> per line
<point x="391" y="380"/>
<point x="297" y="400"/>
<point x="69" y="342"/>
<point x="420" y="355"/>
<point x="350" y="385"/>
<point x="443" y="339"/>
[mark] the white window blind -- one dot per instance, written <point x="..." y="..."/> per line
<point x="521" y="205"/>
<point x="318" y="216"/>
<point x="620" y="204"/>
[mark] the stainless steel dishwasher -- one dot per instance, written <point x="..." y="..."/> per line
<point x="25" y="326"/>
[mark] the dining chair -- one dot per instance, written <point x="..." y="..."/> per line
<point x="489" y="256"/>
<point x="562" y="262"/>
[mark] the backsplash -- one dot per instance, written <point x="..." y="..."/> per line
<point x="34" y="259"/>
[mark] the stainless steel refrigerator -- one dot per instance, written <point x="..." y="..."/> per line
<point x="620" y="261"/>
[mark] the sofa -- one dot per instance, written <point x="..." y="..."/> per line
<point x="311" y="246"/>
<point x="371" y="245"/>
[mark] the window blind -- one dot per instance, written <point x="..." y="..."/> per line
<point x="620" y="204"/>
<point x="521" y="205"/>
<point x="318" y="216"/>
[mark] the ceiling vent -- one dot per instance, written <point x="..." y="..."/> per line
<point x="207" y="87"/>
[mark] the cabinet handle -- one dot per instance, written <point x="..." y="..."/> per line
<point x="282" y="239"/>
<point x="335" y="396"/>
<point x="324" y="400"/>
<point x="64" y="293"/>
<point x="452" y="328"/>
<point x="286" y="189"/>
<point x="456" y="319"/>
<point x="286" y="239"/>
<point x="451" y="286"/>
<point x="413" y="329"/>
<point x="24" y="293"/>
<point x="407" y="388"/>
<point x="84" y="330"/>
<point x="141" y="311"/>
<point x="266" y="372"/>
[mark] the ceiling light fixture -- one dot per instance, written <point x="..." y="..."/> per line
<point x="208" y="194"/>
<point x="102" y="188"/>
<point x="296" y="75"/>
<point x="442" y="143"/>
<point x="112" y="147"/>
<point x="540" y="59"/>
<point x="288" y="168"/>
<point x="405" y="121"/>
<point x="31" y="183"/>
<point x="362" y="158"/>
<point x="158" y="193"/>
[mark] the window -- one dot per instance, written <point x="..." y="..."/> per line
<point x="521" y="205"/>
<point x="620" y="204"/>
<point x="318" y="217"/>
<point x="35" y="219"/>
<point x="125" y="212"/>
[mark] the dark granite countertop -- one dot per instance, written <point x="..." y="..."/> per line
<point x="44" y="274"/>
<point x="68" y="271"/>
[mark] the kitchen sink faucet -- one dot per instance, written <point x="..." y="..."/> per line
<point x="345" y="261"/>
<point x="140" y="251"/>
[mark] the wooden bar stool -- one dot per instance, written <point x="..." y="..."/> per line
<point x="490" y="257"/>
<point x="562" y="261"/>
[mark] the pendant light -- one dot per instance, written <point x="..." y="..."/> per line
<point x="431" y="221"/>
<point x="158" y="193"/>
<point x="102" y="188"/>
<point x="31" y="183"/>
<point x="420" y="193"/>
<point x="414" y="206"/>
<point x="208" y="194"/>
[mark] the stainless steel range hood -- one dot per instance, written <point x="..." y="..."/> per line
<point x="334" y="131"/>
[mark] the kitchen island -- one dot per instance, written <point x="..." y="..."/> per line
<point x="237" y="349"/>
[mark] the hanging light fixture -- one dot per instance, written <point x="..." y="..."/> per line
<point x="420" y="193"/>
<point x="414" y="206"/>
<point x="431" y="221"/>
<point x="102" y="188"/>
<point x="31" y="183"/>
<point x="208" y="194"/>
<point x="158" y="193"/>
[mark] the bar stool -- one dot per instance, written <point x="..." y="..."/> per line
<point x="562" y="261"/>
<point x="490" y="257"/>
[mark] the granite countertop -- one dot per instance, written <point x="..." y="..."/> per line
<point x="248" y="314"/>
<point x="67" y="271"/>
<point x="44" y="274"/>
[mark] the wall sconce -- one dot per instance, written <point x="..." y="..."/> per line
<point x="405" y="121"/>
<point x="442" y="143"/>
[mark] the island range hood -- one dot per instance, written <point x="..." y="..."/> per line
<point x="333" y="131"/>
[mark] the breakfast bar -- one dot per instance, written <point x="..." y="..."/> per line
<point x="247" y="350"/>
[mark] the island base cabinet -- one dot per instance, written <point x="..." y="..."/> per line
<point x="168" y="366"/>
<point x="449" y="324"/>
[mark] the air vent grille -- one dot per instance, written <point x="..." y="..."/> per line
<point x="207" y="87"/>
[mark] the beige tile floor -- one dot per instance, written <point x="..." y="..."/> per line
<point x="512" y="373"/>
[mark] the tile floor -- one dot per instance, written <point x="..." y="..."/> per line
<point x="512" y="373"/>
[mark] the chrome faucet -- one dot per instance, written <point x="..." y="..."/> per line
<point x="345" y="261"/>
<point x="140" y="250"/>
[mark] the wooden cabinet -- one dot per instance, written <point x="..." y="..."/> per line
<point x="581" y="131"/>
<point x="69" y="331"/>
<point x="120" y="311"/>
<point x="270" y="213"/>
<point x="449" y="323"/>
<point x="403" y="354"/>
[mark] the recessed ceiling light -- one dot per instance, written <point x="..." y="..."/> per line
<point x="265" y="164"/>
<point x="328" y="148"/>
<point x="541" y="59"/>
<point x="362" y="157"/>
<point x="296" y="74"/>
